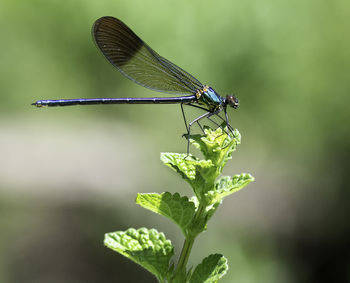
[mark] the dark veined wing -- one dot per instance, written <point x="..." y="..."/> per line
<point x="137" y="61"/>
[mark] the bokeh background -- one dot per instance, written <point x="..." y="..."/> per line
<point x="69" y="175"/>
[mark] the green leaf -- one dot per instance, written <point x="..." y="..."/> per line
<point x="179" y="209"/>
<point x="211" y="210"/>
<point x="217" y="145"/>
<point x="148" y="248"/>
<point x="200" y="174"/>
<point x="227" y="185"/>
<point x="186" y="165"/>
<point x="210" y="270"/>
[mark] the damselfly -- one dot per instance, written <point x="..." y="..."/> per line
<point x="141" y="64"/>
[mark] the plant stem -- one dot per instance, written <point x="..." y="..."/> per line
<point x="185" y="254"/>
<point x="188" y="244"/>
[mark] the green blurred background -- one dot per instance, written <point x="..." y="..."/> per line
<point x="69" y="175"/>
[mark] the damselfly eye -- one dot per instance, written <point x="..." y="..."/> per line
<point x="232" y="101"/>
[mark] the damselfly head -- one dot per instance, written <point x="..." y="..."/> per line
<point x="232" y="101"/>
